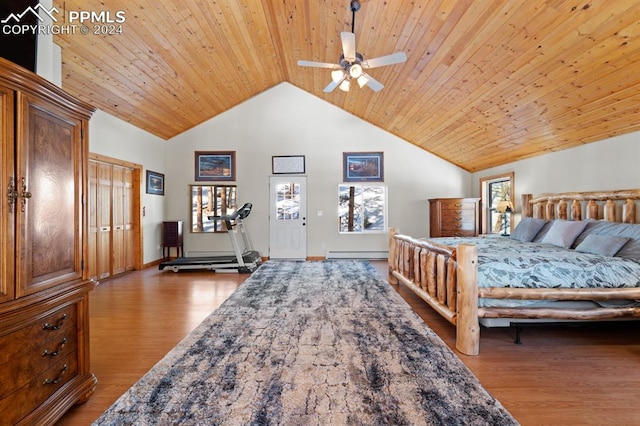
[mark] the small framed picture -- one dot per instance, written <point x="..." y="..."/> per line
<point x="155" y="183"/>
<point x="363" y="166"/>
<point x="287" y="164"/>
<point x="215" y="165"/>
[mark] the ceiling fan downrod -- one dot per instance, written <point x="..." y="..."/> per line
<point x="355" y="6"/>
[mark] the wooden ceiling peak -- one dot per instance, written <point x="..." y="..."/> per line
<point x="485" y="83"/>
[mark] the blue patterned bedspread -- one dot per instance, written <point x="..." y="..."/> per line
<point x="504" y="262"/>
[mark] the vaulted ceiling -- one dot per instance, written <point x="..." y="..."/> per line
<point x="486" y="82"/>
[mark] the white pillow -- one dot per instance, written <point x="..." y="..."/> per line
<point x="564" y="232"/>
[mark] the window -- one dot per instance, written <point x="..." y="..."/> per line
<point x="211" y="200"/>
<point x="362" y="208"/>
<point x="497" y="203"/>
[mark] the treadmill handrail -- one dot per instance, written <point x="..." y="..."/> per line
<point x="241" y="213"/>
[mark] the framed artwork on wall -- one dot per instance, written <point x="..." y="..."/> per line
<point x="155" y="183"/>
<point x="363" y="166"/>
<point x="215" y="165"/>
<point x="287" y="164"/>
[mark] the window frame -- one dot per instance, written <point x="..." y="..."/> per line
<point x="362" y="228"/>
<point x="485" y="203"/>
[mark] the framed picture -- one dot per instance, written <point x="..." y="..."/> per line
<point x="287" y="164"/>
<point x="363" y="167"/>
<point x="155" y="183"/>
<point x="215" y="165"/>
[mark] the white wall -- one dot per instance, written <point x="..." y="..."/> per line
<point x="605" y="165"/>
<point x="285" y="120"/>
<point x="118" y="139"/>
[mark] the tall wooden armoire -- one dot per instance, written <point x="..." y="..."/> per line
<point x="44" y="283"/>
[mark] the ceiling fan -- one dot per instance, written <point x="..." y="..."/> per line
<point x="352" y="64"/>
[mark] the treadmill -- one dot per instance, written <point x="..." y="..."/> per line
<point x="244" y="261"/>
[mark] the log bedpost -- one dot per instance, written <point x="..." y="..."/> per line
<point x="467" y="324"/>
<point x="392" y="254"/>
<point x="527" y="208"/>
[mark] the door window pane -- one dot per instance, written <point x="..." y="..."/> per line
<point x="287" y="201"/>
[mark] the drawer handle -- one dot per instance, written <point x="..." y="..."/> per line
<point x="57" y="326"/>
<point x="57" y="379"/>
<point x="47" y="352"/>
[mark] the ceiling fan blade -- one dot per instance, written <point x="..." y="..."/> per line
<point x="348" y="45"/>
<point x="331" y="86"/>
<point x="318" y="64"/>
<point x="394" y="58"/>
<point x="373" y="84"/>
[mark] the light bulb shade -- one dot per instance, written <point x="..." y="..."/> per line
<point x="355" y="70"/>
<point x="337" y="75"/>
<point x="363" y="80"/>
<point x="344" y="86"/>
<point x="504" y="206"/>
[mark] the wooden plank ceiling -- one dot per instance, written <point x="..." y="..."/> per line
<point x="486" y="82"/>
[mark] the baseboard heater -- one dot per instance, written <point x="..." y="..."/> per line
<point x="336" y="254"/>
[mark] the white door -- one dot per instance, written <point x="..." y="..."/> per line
<point x="288" y="217"/>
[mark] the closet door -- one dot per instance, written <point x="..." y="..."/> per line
<point x="103" y="209"/>
<point x="118" y="247"/>
<point x="129" y="226"/>
<point x="92" y="259"/>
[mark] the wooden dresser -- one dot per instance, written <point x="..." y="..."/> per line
<point x="454" y="217"/>
<point x="44" y="285"/>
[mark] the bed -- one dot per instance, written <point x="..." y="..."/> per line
<point x="573" y="256"/>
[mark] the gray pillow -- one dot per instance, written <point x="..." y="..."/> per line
<point x="527" y="229"/>
<point x="604" y="245"/>
<point x="564" y="232"/>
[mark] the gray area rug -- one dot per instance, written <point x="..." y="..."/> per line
<point x="310" y="343"/>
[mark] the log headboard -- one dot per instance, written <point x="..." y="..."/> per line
<point x="612" y="206"/>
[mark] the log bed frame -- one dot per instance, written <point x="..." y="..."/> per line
<point x="446" y="277"/>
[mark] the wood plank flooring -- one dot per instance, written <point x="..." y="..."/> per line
<point x="560" y="375"/>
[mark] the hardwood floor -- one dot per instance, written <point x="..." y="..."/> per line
<point x="560" y="375"/>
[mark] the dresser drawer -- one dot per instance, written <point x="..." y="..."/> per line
<point x="21" y="402"/>
<point x="27" y="352"/>
<point x="457" y="205"/>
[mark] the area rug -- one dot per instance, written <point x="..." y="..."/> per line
<point x="310" y="343"/>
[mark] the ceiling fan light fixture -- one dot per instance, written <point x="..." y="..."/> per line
<point x="362" y="80"/>
<point x="337" y="75"/>
<point x="344" y="86"/>
<point x="355" y="70"/>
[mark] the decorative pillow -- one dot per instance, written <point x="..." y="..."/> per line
<point x="527" y="229"/>
<point x="564" y="232"/>
<point x="604" y="245"/>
